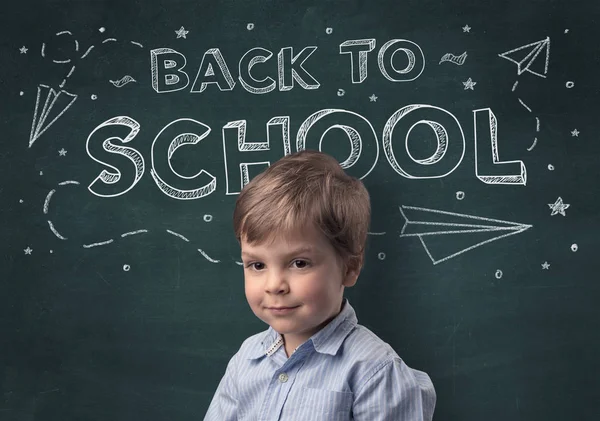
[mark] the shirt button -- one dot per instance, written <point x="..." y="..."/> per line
<point x="283" y="378"/>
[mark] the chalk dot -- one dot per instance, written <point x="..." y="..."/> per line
<point x="20" y="200"/>
<point x="460" y="195"/>
<point x="21" y="93"/>
<point x="207" y="218"/>
<point x="574" y="247"/>
<point x="94" y="97"/>
<point x="551" y="167"/>
<point x="566" y="31"/>
<point x="41" y="172"/>
<point x="126" y="268"/>
<point x="329" y="31"/>
<point x="51" y="251"/>
<point x="570" y="84"/>
<point x="341" y="92"/>
<point x="381" y="256"/>
<point x="498" y="274"/>
<point x="102" y="29"/>
<point x="250" y="26"/>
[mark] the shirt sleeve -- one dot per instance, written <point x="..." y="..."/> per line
<point x="224" y="405"/>
<point x="395" y="392"/>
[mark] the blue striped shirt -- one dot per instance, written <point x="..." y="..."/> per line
<point x="343" y="372"/>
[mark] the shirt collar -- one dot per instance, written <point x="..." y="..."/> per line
<point x="326" y="341"/>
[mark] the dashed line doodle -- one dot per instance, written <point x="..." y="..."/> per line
<point x="432" y="225"/>
<point x="533" y="145"/>
<point x="527" y="63"/>
<point x="207" y="218"/>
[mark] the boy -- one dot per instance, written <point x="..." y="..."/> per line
<point x="302" y="226"/>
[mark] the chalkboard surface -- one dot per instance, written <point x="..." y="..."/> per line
<point x="128" y="128"/>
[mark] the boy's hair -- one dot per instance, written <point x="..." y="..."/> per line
<point x="306" y="187"/>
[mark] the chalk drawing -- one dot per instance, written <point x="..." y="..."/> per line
<point x="59" y="102"/>
<point x="558" y="207"/>
<point x="533" y="145"/>
<point x="250" y="26"/>
<point x="28" y="250"/>
<point x="359" y="68"/>
<point x="525" y="64"/>
<point x="329" y="31"/>
<point x="469" y="84"/>
<point x="207" y="257"/>
<point x="127" y="234"/>
<point x="498" y="274"/>
<point x="460" y="195"/>
<point x="524" y="105"/>
<point x="546" y="265"/>
<point x="574" y="247"/>
<point x="550" y="167"/>
<point x="373" y="98"/>
<point x="55" y="232"/>
<point x="381" y="256"/>
<point x="178" y="235"/>
<point x="454" y="59"/>
<point x="376" y="233"/>
<point x="62" y="152"/>
<point x="575" y="133"/>
<point x="182" y="33"/>
<point x="23" y="50"/>
<point x="94" y="97"/>
<point x="466" y="28"/>
<point x="102" y="243"/>
<point x="207" y="218"/>
<point x="426" y="223"/>
<point x="341" y="92"/>
<point x="515" y="85"/>
<point x="126" y="268"/>
<point x="570" y="84"/>
<point x="123" y="81"/>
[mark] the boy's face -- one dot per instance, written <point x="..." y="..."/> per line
<point x="301" y="270"/>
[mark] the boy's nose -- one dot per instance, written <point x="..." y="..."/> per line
<point x="276" y="282"/>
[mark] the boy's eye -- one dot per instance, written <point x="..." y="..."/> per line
<point x="300" y="264"/>
<point x="256" y="266"/>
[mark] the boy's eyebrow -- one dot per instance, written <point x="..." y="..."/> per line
<point x="304" y="249"/>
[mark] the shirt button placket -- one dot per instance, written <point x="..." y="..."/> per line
<point x="283" y="377"/>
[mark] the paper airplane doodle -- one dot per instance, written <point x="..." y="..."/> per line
<point x="433" y="225"/>
<point x="526" y="57"/>
<point x="55" y="105"/>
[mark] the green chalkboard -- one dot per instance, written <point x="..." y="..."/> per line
<point x="128" y="128"/>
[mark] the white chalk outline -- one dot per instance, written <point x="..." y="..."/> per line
<point x="178" y="235"/>
<point x="54" y="231"/>
<point x="520" y="178"/>
<point x="525" y="63"/>
<point x="39" y="117"/>
<point x="513" y="227"/>
<point x="454" y="59"/>
<point x="102" y="243"/>
<point x="207" y="257"/>
<point x="127" y="234"/>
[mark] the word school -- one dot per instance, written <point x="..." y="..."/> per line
<point x="124" y="165"/>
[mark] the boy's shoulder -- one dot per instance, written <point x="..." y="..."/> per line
<point x="362" y="344"/>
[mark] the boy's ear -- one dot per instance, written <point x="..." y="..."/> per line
<point x="352" y="267"/>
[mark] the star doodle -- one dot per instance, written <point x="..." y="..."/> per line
<point x="23" y="50"/>
<point x="28" y="250"/>
<point x="62" y="152"/>
<point x="469" y="84"/>
<point x="575" y="133"/>
<point x="558" y="207"/>
<point x="181" y="33"/>
<point x="546" y="266"/>
<point x="466" y="28"/>
<point x="373" y="98"/>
